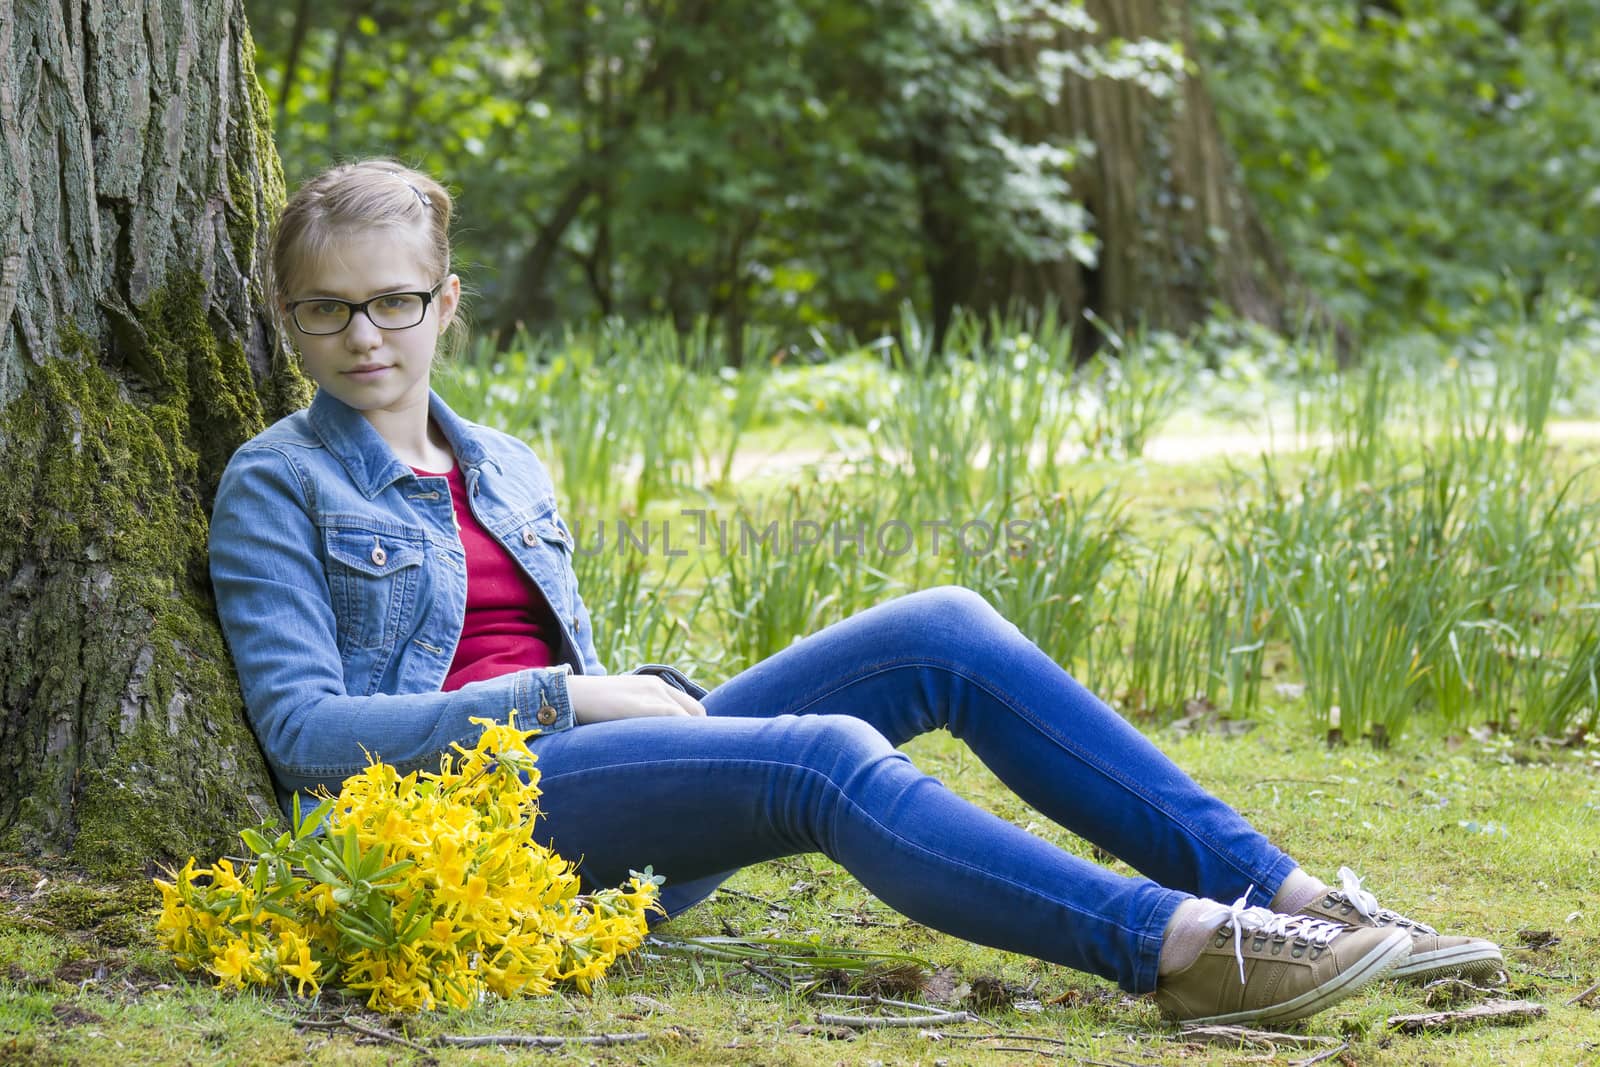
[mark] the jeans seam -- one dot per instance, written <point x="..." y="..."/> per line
<point x="885" y="666"/>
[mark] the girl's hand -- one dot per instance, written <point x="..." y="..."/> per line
<point x="597" y="698"/>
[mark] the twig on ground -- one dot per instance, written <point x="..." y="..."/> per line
<point x="1496" y="1012"/>
<point x="382" y="1035"/>
<point x="1319" y="1057"/>
<point x="939" y="1016"/>
<point x="871" y="998"/>
<point x="319" y="1024"/>
<point x="537" y="1040"/>
<point x="875" y="1022"/>
<point x="1003" y="1037"/>
<point x="465" y="1041"/>
<point x="1585" y="996"/>
<point x="871" y="1023"/>
<point x="854" y="919"/>
<point x="309" y="1024"/>
<point x="1243" y="1035"/>
<point x="777" y="979"/>
<point x="724" y="891"/>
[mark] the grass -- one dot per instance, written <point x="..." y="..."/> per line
<point x="1425" y="561"/>
<point x="1422" y="557"/>
<point x="1496" y="838"/>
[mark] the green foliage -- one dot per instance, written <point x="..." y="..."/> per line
<point x="749" y="161"/>
<point x="805" y="163"/>
<point x="1413" y="155"/>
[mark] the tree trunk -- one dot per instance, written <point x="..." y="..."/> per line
<point x="1177" y="232"/>
<point x="139" y="174"/>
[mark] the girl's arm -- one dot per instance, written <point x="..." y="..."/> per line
<point x="276" y="612"/>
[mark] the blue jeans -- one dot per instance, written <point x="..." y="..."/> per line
<point x="797" y="754"/>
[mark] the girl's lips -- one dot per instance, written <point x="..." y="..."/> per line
<point x="367" y="372"/>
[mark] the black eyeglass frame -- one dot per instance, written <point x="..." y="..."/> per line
<point x="352" y="307"/>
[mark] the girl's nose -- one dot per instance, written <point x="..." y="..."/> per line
<point x="361" y="335"/>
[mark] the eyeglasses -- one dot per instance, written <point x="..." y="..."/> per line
<point x="324" y="315"/>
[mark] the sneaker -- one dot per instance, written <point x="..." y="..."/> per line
<point x="1264" y="966"/>
<point x="1433" y="955"/>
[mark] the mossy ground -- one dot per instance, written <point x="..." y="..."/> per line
<point x="1476" y="836"/>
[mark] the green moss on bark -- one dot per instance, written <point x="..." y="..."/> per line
<point x="124" y="723"/>
<point x="254" y="200"/>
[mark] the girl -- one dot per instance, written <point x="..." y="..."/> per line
<point x="385" y="569"/>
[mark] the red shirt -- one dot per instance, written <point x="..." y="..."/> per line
<point x="509" y="624"/>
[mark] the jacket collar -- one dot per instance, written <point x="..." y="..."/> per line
<point x="367" y="457"/>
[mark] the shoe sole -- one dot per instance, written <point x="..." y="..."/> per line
<point x="1462" y="961"/>
<point x="1373" y="965"/>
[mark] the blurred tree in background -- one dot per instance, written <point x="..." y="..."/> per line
<point x="795" y="162"/>
<point x="816" y="163"/>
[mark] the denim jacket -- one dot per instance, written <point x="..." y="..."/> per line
<point x="342" y="588"/>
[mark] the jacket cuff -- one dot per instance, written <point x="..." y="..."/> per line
<point x="541" y="699"/>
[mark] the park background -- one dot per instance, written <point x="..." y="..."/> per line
<point x="1270" y="327"/>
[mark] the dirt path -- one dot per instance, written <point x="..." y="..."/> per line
<point x="1171" y="449"/>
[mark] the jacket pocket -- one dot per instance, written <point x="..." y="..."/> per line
<point x="544" y="548"/>
<point x="372" y="577"/>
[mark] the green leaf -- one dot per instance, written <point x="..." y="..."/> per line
<point x="255" y="842"/>
<point x="352" y="853"/>
<point x="304" y="827"/>
<point x="361" y="938"/>
<point x="322" y="873"/>
<point x="415" y="920"/>
<point x="393" y="868"/>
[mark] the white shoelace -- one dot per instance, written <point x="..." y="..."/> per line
<point x="1366" y="904"/>
<point x="1318" y="932"/>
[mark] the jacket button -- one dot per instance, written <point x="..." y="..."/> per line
<point x="547" y="714"/>
<point x="379" y="556"/>
<point x="529" y="538"/>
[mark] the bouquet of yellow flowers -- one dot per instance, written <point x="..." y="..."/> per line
<point x="426" y="889"/>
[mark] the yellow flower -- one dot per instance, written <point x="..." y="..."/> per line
<point x="448" y="863"/>
<point x="175" y="914"/>
<point x="236" y="964"/>
<point x="441" y="932"/>
<point x="303" y="967"/>
<point x="222" y="876"/>
<point x="396" y="828"/>
<point x="496" y="911"/>
<point x="321" y="898"/>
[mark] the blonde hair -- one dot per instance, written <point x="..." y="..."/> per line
<point x="351" y="197"/>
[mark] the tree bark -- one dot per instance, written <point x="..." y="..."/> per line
<point x="1177" y="232"/>
<point x="136" y="354"/>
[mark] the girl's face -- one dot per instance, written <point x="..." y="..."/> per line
<point x="371" y="369"/>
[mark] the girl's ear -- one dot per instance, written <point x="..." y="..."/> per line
<point x="449" y="300"/>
